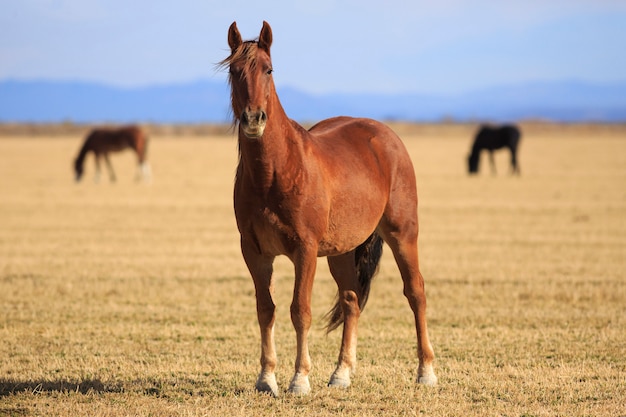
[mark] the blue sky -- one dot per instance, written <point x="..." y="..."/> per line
<point x="320" y="46"/>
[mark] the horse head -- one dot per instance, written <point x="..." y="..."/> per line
<point x="472" y="162"/>
<point x="250" y="78"/>
<point x="78" y="168"/>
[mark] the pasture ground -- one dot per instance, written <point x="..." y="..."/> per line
<point x="132" y="299"/>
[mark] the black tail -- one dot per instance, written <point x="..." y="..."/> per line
<point x="366" y="258"/>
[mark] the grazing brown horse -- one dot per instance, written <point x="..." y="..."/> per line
<point x="337" y="190"/>
<point x="104" y="141"/>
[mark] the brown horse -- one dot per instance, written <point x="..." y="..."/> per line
<point x="336" y="190"/>
<point x="104" y="141"/>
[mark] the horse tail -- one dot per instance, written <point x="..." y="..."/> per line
<point x="366" y="258"/>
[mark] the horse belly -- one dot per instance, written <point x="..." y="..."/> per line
<point x="359" y="192"/>
<point x="342" y="231"/>
<point x="117" y="147"/>
<point x="351" y="226"/>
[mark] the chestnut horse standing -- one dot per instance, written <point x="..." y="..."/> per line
<point x="104" y="141"/>
<point x="336" y="190"/>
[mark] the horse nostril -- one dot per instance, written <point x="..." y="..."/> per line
<point x="254" y="117"/>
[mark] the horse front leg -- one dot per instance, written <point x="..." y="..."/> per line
<point x="96" y="177"/>
<point x="110" y="167"/>
<point x="261" y="269"/>
<point x="493" y="163"/>
<point x="305" y="263"/>
<point x="344" y="272"/>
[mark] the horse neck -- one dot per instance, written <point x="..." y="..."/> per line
<point x="80" y="159"/>
<point x="479" y="145"/>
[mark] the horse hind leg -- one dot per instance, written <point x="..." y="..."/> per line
<point x="403" y="243"/>
<point x="144" y="172"/>
<point x="344" y="272"/>
<point x="514" y="165"/>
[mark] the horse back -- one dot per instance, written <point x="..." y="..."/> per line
<point x="353" y="151"/>
<point x="114" y="140"/>
<point x="492" y="138"/>
<point x="352" y="143"/>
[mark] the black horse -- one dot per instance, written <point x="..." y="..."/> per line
<point x="492" y="138"/>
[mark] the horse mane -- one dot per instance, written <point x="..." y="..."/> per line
<point x="246" y="52"/>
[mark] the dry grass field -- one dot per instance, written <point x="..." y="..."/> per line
<point x="132" y="299"/>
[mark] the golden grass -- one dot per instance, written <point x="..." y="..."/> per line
<point x="132" y="299"/>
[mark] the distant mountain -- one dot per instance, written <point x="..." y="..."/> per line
<point x="208" y="102"/>
<point x="50" y="101"/>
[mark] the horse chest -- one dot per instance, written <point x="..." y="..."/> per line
<point x="268" y="230"/>
<point x="275" y="224"/>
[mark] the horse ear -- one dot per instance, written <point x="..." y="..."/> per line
<point x="265" y="38"/>
<point x="234" y="37"/>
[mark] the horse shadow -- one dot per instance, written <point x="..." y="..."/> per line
<point x="161" y="388"/>
<point x="14" y="386"/>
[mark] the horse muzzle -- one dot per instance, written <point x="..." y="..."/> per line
<point x="253" y="123"/>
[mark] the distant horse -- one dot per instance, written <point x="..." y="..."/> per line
<point x="337" y="190"/>
<point x="104" y="141"/>
<point x="491" y="138"/>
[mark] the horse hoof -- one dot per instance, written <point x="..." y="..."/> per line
<point x="266" y="383"/>
<point x="340" y="378"/>
<point x="336" y="382"/>
<point x="428" y="379"/>
<point x="300" y="384"/>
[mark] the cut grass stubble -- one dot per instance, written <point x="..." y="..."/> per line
<point x="132" y="299"/>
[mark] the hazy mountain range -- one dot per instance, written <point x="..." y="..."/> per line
<point x="208" y="102"/>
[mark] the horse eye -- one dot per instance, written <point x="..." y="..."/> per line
<point x="270" y="71"/>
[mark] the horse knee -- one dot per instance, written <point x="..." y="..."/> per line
<point x="300" y="316"/>
<point x="266" y="313"/>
